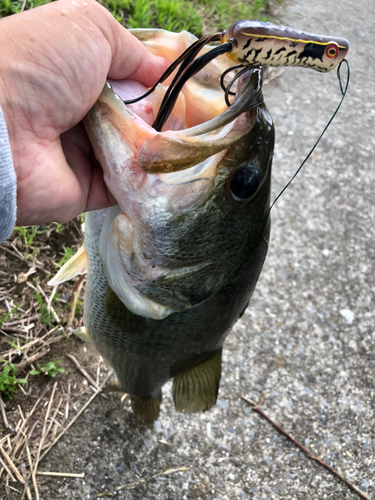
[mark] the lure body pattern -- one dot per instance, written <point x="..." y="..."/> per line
<point x="256" y="43"/>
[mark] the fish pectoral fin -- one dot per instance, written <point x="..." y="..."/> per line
<point x="147" y="409"/>
<point x="82" y="334"/>
<point x="196" y="389"/>
<point x="74" y="267"/>
<point x="113" y="386"/>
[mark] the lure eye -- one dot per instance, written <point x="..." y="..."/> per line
<point x="332" y="50"/>
<point x="244" y="183"/>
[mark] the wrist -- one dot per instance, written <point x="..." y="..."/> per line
<point x="8" y="87"/>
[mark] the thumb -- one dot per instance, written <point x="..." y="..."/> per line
<point x="130" y="58"/>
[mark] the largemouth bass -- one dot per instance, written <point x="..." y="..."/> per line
<point x="173" y="266"/>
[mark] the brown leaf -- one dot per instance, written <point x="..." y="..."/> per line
<point x="22" y="277"/>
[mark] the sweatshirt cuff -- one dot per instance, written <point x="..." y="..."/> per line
<point x="8" y="184"/>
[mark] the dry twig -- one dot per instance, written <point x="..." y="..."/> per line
<point x="7" y="471"/>
<point x="83" y="371"/>
<point x="35" y="484"/>
<point x="256" y="407"/>
<point x="11" y="465"/>
<point x="76" y="416"/>
<point x="134" y="485"/>
<point x="74" y="299"/>
<point x="61" y="474"/>
<point x="3" y="414"/>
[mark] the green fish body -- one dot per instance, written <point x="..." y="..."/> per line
<point x="186" y="346"/>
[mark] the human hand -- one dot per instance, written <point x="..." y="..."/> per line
<point x="54" y="61"/>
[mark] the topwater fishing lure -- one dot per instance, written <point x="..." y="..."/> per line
<point x="250" y="44"/>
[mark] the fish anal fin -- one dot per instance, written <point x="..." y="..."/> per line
<point x="147" y="409"/>
<point x="196" y="389"/>
<point x="74" y="267"/>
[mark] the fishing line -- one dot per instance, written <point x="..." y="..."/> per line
<point x="230" y="85"/>
<point x="343" y="92"/>
<point x="190" y="70"/>
<point x="224" y="74"/>
<point x="184" y="58"/>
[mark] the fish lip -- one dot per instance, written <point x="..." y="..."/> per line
<point x="242" y="102"/>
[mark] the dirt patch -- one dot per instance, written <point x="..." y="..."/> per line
<point x="36" y="325"/>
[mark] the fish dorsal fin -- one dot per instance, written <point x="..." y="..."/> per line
<point x="74" y="267"/>
<point x="196" y="389"/>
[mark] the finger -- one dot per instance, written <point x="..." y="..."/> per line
<point x="55" y="184"/>
<point x="131" y="60"/>
<point x="79" y="156"/>
<point x="47" y="188"/>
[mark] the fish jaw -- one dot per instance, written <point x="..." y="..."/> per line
<point x="203" y="93"/>
<point x="148" y="202"/>
<point x="107" y="123"/>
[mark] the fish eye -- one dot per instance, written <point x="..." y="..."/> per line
<point x="332" y="50"/>
<point x="244" y="183"/>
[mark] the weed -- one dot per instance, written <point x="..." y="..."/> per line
<point x="79" y="307"/>
<point x="68" y="253"/>
<point x="177" y="15"/>
<point x="82" y="218"/>
<point x="8" y="380"/>
<point x="27" y="233"/>
<point x="45" y="316"/>
<point x="7" y="315"/>
<point x="14" y="345"/>
<point x="59" y="228"/>
<point x="172" y="15"/>
<point x="8" y="7"/>
<point x="50" y="369"/>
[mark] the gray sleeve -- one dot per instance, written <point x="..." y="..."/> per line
<point x="8" y="184"/>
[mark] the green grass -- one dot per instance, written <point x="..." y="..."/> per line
<point x="8" y="7"/>
<point x="59" y="228"/>
<point x="68" y="254"/>
<point x="45" y="317"/>
<point x="9" y="381"/>
<point x="28" y="233"/>
<point x="7" y="315"/>
<point x="50" y="369"/>
<point x="195" y="16"/>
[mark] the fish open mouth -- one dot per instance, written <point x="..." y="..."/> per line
<point x="163" y="179"/>
<point x="134" y="156"/>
